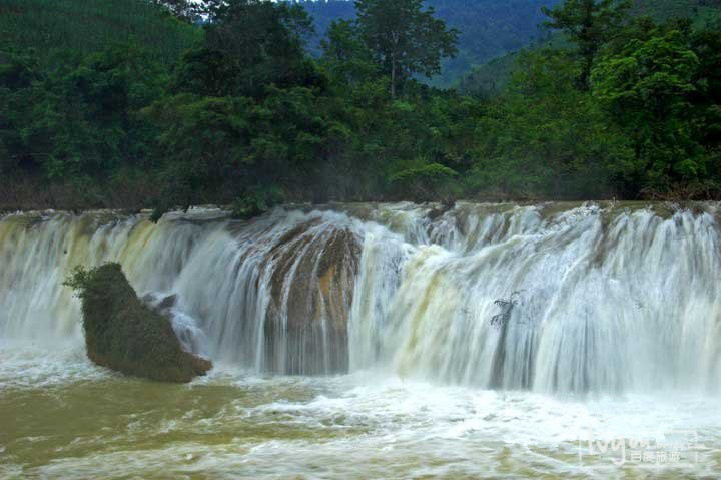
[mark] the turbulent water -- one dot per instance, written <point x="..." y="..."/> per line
<point x="359" y="340"/>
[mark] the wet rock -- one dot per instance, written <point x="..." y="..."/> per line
<point x="123" y="334"/>
<point x="167" y="303"/>
<point x="160" y="305"/>
<point x="441" y="209"/>
<point x="311" y="292"/>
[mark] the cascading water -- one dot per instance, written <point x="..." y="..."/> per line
<point x="596" y="300"/>
<point x="588" y="298"/>
<point x="271" y="295"/>
<point x="482" y="340"/>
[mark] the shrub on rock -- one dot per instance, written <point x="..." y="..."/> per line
<point x="123" y="334"/>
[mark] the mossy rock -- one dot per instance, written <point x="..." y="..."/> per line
<point x="123" y="334"/>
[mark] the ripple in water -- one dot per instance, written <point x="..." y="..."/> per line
<point x="68" y="419"/>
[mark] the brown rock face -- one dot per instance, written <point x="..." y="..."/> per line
<point x="306" y="326"/>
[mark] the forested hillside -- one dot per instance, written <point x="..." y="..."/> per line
<point x="85" y="26"/>
<point x="491" y="77"/>
<point x="234" y="110"/>
<point x="488" y="28"/>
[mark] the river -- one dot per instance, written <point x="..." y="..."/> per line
<point x="375" y="341"/>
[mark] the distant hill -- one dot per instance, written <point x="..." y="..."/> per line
<point x="489" y="28"/>
<point x="91" y="25"/>
<point x="323" y="13"/>
<point x="491" y="77"/>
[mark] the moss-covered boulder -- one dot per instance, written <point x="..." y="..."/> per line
<point x="123" y="334"/>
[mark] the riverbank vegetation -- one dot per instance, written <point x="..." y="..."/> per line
<point x="131" y="104"/>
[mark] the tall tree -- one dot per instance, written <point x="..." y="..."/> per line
<point x="589" y="24"/>
<point x="249" y="44"/>
<point x="404" y="38"/>
<point x="345" y="55"/>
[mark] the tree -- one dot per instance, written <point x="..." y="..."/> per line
<point x="545" y="137"/>
<point x="589" y="24"/>
<point x="186" y="10"/>
<point x="404" y="39"/>
<point x="647" y="89"/>
<point x="345" y="55"/>
<point x="429" y="182"/>
<point x="707" y="99"/>
<point x="78" y="118"/>
<point x="249" y="44"/>
<point x="18" y="72"/>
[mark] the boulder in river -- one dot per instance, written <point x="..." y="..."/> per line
<point x="123" y="334"/>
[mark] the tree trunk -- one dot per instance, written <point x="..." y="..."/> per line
<point x="586" y="42"/>
<point x="393" y="75"/>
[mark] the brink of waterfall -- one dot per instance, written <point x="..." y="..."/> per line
<point x="598" y="297"/>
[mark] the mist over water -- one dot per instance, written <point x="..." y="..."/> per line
<point x="481" y="340"/>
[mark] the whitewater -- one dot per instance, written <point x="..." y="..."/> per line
<point x="375" y="340"/>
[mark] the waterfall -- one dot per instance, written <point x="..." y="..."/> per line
<point x="549" y="297"/>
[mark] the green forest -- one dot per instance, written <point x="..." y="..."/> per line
<point x="486" y="29"/>
<point x="132" y="104"/>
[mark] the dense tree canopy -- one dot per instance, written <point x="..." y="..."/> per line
<point x="649" y="86"/>
<point x="243" y="115"/>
